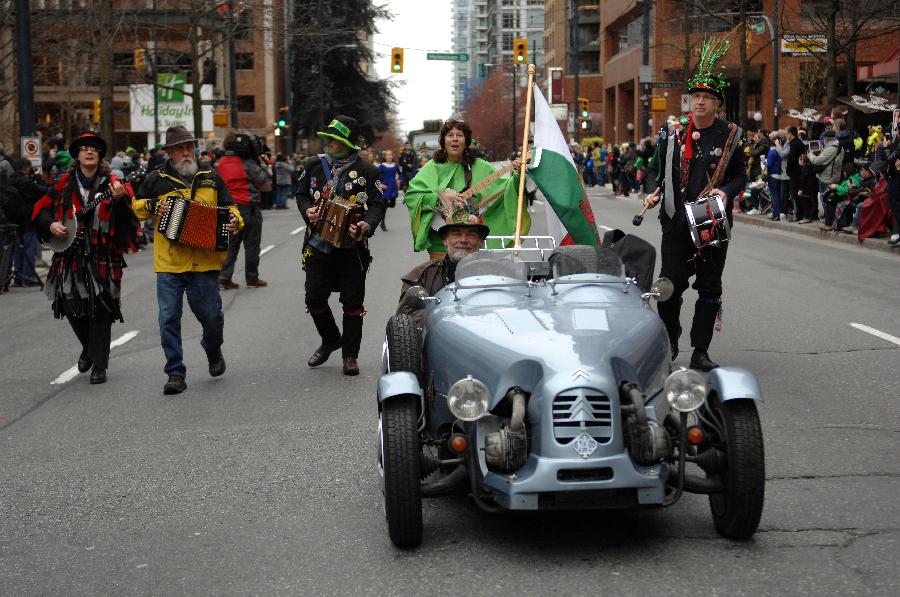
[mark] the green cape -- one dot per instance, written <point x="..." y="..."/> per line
<point x="422" y="197"/>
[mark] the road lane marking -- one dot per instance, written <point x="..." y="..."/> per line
<point x="70" y="374"/>
<point x="266" y="250"/>
<point x="538" y="201"/>
<point x="878" y="333"/>
<point x="604" y="227"/>
<point x="298" y="230"/>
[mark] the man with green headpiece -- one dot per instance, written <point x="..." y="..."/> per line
<point x="699" y="156"/>
<point x="340" y="172"/>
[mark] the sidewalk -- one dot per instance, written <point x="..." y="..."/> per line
<point x="763" y="221"/>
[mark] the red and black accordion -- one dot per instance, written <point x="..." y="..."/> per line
<point x="195" y="224"/>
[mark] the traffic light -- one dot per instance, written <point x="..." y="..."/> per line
<point x="584" y="107"/>
<point x="282" y="117"/>
<point x="96" y="115"/>
<point x="520" y="50"/>
<point x="658" y="103"/>
<point x="139" y="58"/>
<point x="396" y="60"/>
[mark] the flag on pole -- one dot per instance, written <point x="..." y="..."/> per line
<point x="571" y="220"/>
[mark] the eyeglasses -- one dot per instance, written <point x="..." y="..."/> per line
<point x="88" y="148"/>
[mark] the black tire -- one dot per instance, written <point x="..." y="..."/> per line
<point x="401" y="464"/>
<point x="404" y="348"/>
<point x="737" y="511"/>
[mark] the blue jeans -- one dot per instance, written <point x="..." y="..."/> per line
<point x="777" y="191"/>
<point x="23" y="257"/>
<point x="202" y="290"/>
<point x="282" y="192"/>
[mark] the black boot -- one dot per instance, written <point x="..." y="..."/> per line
<point x="352" y="336"/>
<point x="330" y="334"/>
<point x="98" y="375"/>
<point x="701" y="362"/>
<point x="216" y="362"/>
<point x="84" y="362"/>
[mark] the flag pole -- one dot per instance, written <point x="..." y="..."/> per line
<point x="524" y="155"/>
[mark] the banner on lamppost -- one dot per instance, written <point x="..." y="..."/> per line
<point x="172" y="111"/>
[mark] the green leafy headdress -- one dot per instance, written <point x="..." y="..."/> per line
<point x="708" y="76"/>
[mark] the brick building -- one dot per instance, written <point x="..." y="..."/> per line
<point x="67" y="77"/>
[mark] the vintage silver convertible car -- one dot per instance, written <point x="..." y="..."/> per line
<point x="541" y="379"/>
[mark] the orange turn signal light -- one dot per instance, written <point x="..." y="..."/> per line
<point x="695" y="435"/>
<point x="458" y="443"/>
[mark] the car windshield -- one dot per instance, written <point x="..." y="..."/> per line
<point x="488" y="263"/>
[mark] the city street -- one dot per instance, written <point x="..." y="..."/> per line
<point x="263" y="481"/>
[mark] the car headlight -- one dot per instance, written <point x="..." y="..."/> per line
<point x="468" y="399"/>
<point x="685" y="390"/>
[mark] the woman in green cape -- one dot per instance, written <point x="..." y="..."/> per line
<point x="454" y="169"/>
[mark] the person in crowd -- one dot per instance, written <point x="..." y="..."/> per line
<point x="873" y="140"/>
<point x="796" y="148"/>
<point x="408" y="165"/>
<point x="848" y="165"/>
<point x="341" y="172"/>
<point x="182" y="269"/>
<point x="626" y="169"/>
<point x="389" y="173"/>
<point x="454" y="169"/>
<point x="22" y="191"/>
<point x="85" y="281"/>
<point x="828" y="169"/>
<point x="690" y="152"/>
<point x="602" y="165"/>
<point x="615" y="174"/>
<point x="283" y="181"/>
<point x="589" y="179"/>
<point x="777" y="178"/>
<point x="849" y="193"/>
<point x="645" y="152"/>
<point x="244" y="177"/>
<point x="808" y="191"/>
<point x="893" y="188"/>
<point x="828" y="123"/>
<point x="461" y="238"/>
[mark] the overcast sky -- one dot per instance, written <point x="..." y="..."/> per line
<point x="418" y="26"/>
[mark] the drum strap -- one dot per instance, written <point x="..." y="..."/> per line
<point x="734" y="136"/>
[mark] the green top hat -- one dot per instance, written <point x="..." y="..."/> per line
<point x="344" y="129"/>
<point x="707" y="77"/>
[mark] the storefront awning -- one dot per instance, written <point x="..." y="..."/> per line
<point x="886" y="70"/>
<point x="871" y="103"/>
<point x="806" y="114"/>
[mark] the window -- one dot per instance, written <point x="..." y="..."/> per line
<point x="243" y="29"/>
<point x="243" y="61"/>
<point x="246" y="103"/>
<point x="627" y="36"/>
<point x="510" y="20"/>
<point x="507" y="42"/>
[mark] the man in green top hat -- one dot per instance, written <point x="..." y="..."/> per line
<point x="699" y="155"/>
<point x="338" y="173"/>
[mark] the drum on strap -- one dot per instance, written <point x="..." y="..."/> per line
<point x="708" y="221"/>
<point x="195" y="224"/>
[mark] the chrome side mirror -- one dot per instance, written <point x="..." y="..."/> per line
<point x="416" y="298"/>
<point x="661" y="290"/>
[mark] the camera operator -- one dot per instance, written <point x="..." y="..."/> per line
<point x="17" y="199"/>
<point x="240" y="169"/>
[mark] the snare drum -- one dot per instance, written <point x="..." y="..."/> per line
<point x="708" y="221"/>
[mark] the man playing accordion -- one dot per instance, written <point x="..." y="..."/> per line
<point x="182" y="266"/>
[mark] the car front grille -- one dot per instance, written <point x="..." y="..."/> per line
<point x="582" y="406"/>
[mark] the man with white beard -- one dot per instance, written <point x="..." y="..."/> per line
<point x="460" y="238"/>
<point x="182" y="269"/>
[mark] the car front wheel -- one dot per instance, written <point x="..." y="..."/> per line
<point x="736" y="511"/>
<point x="400" y="465"/>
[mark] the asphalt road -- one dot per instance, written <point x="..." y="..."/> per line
<point x="263" y="481"/>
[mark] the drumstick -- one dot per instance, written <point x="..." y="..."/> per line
<point x="638" y="219"/>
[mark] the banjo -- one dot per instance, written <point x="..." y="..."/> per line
<point x="455" y="203"/>
<point x="76" y="225"/>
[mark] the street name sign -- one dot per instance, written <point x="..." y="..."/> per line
<point x="444" y="56"/>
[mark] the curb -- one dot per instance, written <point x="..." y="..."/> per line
<point x="813" y="231"/>
<point x="809" y="230"/>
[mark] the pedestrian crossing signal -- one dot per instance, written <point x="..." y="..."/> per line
<point x="520" y="48"/>
<point x="396" y="60"/>
<point x="139" y="54"/>
<point x="96" y="112"/>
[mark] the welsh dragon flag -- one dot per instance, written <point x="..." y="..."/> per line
<point x="571" y="220"/>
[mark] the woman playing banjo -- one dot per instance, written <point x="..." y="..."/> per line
<point x="85" y="277"/>
<point x="454" y="169"/>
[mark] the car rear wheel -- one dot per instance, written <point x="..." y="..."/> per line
<point x="736" y="511"/>
<point x="400" y="464"/>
